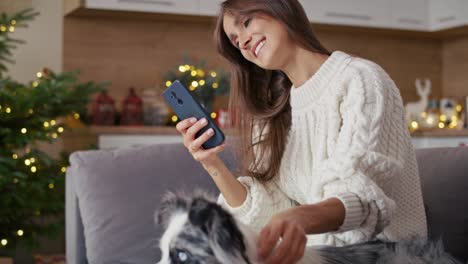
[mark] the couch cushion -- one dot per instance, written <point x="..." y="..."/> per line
<point x="118" y="193"/>
<point x="444" y="180"/>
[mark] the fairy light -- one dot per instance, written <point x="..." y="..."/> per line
<point x="60" y="129"/>
<point x="168" y="83"/>
<point x="11" y="29"/>
<point x="174" y="118"/>
<point x="33" y="160"/>
<point x="20" y="232"/>
<point x="414" y="125"/>
<point x="424" y="114"/>
<point x="213" y="74"/>
<point x="215" y="85"/>
<point x="39" y="74"/>
<point x="13" y="22"/>
<point x="63" y="169"/>
<point x="24" y="130"/>
<point x="213" y="115"/>
<point x="27" y="162"/>
<point x="200" y="73"/>
<point x="8" y="110"/>
<point x="187" y="67"/>
<point x="51" y="186"/>
<point x="33" y="169"/>
<point x="191" y="88"/>
<point x="443" y="118"/>
<point x="3" y="28"/>
<point x="201" y="82"/>
<point x="195" y="84"/>
<point x="53" y="122"/>
<point x="35" y="84"/>
<point x="182" y="68"/>
<point x="76" y="116"/>
<point x="459" y="108"/>
<point x="30" y="111"/>
<point x="46" y="124"/>
<point x="54" y="135"/>
<point x="193" y="73"/>
<point x="14" y="156"/>
<point x="441" y="125"/>
<point x="4" y="242"/>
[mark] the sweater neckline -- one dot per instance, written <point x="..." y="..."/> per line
<point x="315" y="86"/>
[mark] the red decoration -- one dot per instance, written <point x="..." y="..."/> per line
<point x="103" y="110"/>
<point x="132" y="110"/>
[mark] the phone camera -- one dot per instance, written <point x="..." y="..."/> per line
<point x="179" y="101"/>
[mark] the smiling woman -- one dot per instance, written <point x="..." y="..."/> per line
<point x="326" y="155"/>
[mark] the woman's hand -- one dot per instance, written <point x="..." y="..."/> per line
<point x="189" y="128"/>
<point x="288" y="226"/>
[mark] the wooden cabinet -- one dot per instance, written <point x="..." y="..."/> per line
<point x="446" y="14"/>
<point x="189" y="7"/>
<point x="367" y="13"/>
<point x="210" y="7"/>
<point x="411" y="15"/>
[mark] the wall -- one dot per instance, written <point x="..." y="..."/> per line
<point x="138" y="52"/>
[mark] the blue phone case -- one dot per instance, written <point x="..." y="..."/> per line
<point x="182" y="102"/>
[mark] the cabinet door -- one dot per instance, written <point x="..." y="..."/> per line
<point x="446" y="14"/>
<point x="157" y="6"/>
<point x="210" y="7"/>
<point x="368" y="13"/>
<point x="410" y="14"/>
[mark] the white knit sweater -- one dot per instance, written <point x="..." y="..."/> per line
<point x="349" y="140"/>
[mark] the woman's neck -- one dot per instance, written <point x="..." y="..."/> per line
<point x="302" y="65"/>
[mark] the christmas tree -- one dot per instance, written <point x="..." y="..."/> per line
<point x="31" y="181"/>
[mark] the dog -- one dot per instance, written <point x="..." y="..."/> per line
<point x="199" y="231"/>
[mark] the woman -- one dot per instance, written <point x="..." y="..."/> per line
<point x="326" y="151"/>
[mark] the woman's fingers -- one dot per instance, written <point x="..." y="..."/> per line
<point x="183" y="125"/>
<point x="192" y="131"/>
<point x="270" y="240"/>
<point x="198" y="142"/>
<point x="284" y="250"/>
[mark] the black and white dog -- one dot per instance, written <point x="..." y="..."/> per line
<point x="199" y="231"/>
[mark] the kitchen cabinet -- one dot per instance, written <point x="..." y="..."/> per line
<point x="209" y="7"/>
<point x="446" y="14"/>
<point x="367" y="13"/>
<point x="410" y="15"/>
<point x="188" y="7"/>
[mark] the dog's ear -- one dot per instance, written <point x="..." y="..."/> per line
<point x="170" y="203"/>
<point x="217" y="224"/>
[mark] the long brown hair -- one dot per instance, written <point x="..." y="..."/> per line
<point x="260" y="97"/>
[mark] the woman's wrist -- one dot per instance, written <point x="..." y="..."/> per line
<point x="323" y="217"/>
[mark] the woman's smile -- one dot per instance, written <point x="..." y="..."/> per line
<point x="259" y="47"/>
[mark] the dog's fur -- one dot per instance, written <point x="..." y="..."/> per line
<point x="199" y="231"/>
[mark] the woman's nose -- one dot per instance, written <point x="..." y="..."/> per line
<point x="245" y="43"/>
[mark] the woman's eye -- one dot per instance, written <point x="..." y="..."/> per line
<point x="247" y="22"/>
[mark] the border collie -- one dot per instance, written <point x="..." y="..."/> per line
<point x="199" y="231"/>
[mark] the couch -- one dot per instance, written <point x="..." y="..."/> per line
<point x="112" y="196"/>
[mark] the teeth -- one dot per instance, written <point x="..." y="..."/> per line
<point x="259" y="47"/>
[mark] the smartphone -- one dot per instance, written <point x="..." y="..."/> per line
<point x="182" y="102"/>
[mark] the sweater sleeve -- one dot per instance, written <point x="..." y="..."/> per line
<point x="262" y="202"/>
<point x="367" y="153"/>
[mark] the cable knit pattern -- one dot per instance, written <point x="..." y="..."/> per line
<point x="348" y="140"/>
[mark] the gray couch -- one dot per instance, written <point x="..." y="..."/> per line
<point x="111" y="198"/>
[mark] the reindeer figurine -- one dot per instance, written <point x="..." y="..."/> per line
<point x="414" y="109"/>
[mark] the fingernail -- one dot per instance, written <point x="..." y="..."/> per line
<point x="203" y="121"/>
<point x="193" y="120"/>
<point x="210" y="131"/>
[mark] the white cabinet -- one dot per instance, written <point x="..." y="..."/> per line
<point x="409" y="14"/>
<point x="160" y="6"/>
<point x="368" y="13"/>
<point x="447" y="13"/>
<point x="210" y="7"/>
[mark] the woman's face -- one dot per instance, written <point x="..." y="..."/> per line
<point x="260" y="38"/>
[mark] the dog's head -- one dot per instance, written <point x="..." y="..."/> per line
<point x="199" y="231"/>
